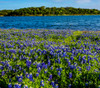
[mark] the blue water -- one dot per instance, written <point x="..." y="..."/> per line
<point x="51" y="22"/>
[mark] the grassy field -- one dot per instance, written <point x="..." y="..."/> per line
<point x="49" y="59"/>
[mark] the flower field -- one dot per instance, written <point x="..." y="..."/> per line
<point x="49" y="59"/>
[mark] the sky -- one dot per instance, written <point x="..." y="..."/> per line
<point x="16" y="4"/>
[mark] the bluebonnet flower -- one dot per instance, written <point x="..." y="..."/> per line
<point x="20" y="68"/>
<point x="95" y="53"/>
<point x="1" y="67"/>
<point x="59" y="73"/>
<point x="12" y="51"/>
<point x="71" y="58"/>
<point x="11" y="56"/>
<point x="28" y="63"/>
<point x="69" y="86"/>
<point x="19" y="78"/>
<point x="44" y="51"/>
<point x="79" y="69"/>
<point x="43" y="64"/>
<point x="72" y="67"/>
<point x="56" y="61"/>
<point x="37" y="74"/>
<point x="17" y="85"/>
<point x="34" y="64"/>
<point x="28" y="54"/>
<point x="36" y="57"/>
<point x="79" y="58"/>
<point x="38" y="65"/>
<point x="30" y="77"/>
<point x="49" y="63"/>
<point x="96" y="59"/>
<point x="21" y="46"/>
<point x="88" y="68"/>
<point x="75" y="64"/>
<point x="86" y="84"/>
<point x="3" y="73"/>
<point x="4" y="53"/>
<point x="53" y="83"/>
<point x="1" y="51"/>
<point x="64" y="54"/>
<point x="73" y="52"/>
<point x="51" y="67"/>
<point x="45" y="71"/>
<point x="39" y="50"/>
<point x="84" y="60"/>
<point x="50" y="76"/>
<point x="14" y="70"/>
<point x="31" y="51"/>
<point x="51" y="52"/>
<point x="3" y="63"/>
<point x="70" y="75"/>
<point x="67" y="60"/>
<point x="39" y="69"/>
<point x="48" y="79"/>
<point x="9" y="85"/>
<point x="57" y="69"/>
<point x="60" y="69"/>
<point x="99" y="76"/>
<point x="25" y="86"/>
<point x="4" y="45"/>
<point x="24" y="71"/>
<point x="9" y="80"/>
<point x="19" y="51"/>
<point x="56" y="81"/>
<point x="26" y="75"/>
<point x="69" y="63"/>
<point x="42" y="83"/>
<point x="84" y="51"/>
<point x="24" y="52"/>
<point x="56" y="86"/>
<point x="59" y="60"/>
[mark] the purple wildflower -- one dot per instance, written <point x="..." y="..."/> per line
<point x="30" y="77"/>
<point x="59" y="73"/>
<point x="52" y="83"/>
<point x="28" y="63"/>
<point x="3" y="73"/>
<point x="37" y="74"/>
<point x="42" y="83"/>
<point x="9" y="85"/>
<point x="71" y="58"/>
<point x="70" y="75"/>
<point x="50" y="76"/>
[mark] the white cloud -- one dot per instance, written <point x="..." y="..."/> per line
<point x="83" y="1"/>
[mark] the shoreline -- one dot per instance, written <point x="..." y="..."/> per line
<point x="84" y="31"/>
<point x="57" y="15"/>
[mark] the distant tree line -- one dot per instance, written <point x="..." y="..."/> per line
<point x="48" y="11"/>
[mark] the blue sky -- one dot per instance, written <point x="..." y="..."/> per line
<point x="16" y="4"/>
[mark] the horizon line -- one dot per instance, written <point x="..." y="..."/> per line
<point x="50" y="7"/>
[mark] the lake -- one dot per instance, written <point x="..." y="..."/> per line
<point x="51" y="22"/>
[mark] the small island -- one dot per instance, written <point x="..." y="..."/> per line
<point x="49" y="11"/>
